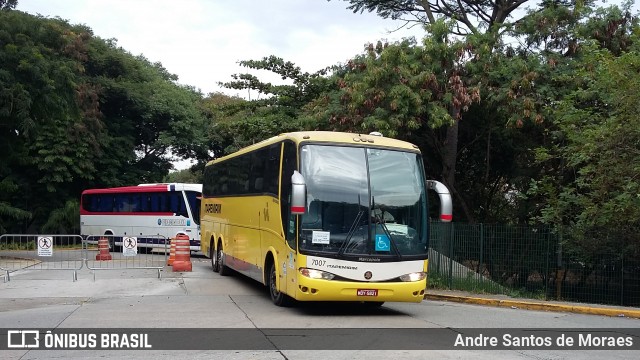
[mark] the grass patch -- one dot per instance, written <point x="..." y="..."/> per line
<point x="479" y="285"/>
<point x="29" y="245"/>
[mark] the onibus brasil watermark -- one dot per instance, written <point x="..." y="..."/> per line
<point x="322" y="339"/>
<point x="34" y="339"/>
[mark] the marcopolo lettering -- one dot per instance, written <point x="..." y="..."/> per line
<point x="213" y="208"/>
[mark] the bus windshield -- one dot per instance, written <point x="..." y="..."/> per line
<point x="363" y="203"/>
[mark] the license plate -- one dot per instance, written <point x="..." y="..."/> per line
<point x="367" y="292"/>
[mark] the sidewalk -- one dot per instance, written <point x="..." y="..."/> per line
<point x="531" y="304"/>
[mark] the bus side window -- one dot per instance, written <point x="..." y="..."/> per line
<point x="272" y="169"/>
<point x="91" y="202"/>
<point x="177" y="205"/>
<point x="193" y="199"/>
<point x="289" y="164"/>
<point x="105" y="203"/>
<point x="154" y="202"/>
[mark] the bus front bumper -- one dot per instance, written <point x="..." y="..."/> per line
<point x="334" y="290"/>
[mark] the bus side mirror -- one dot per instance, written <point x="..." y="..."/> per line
<point x="446" y="205"/>
<point x="298" y="194"/>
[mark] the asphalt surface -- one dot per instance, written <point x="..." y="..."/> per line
<point x="48" y="282"/>
<point x="116" y="298"/>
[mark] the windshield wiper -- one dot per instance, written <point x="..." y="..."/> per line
<point x="352" y="230"/>
<point x="380" y="220"/>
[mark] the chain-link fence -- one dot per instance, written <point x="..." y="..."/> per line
<point x="528" y="262"/>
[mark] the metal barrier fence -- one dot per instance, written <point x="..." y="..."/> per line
<point x="72" y="252"/>
<point x="529" y="262"/>
<point x="40" y="252"/>
<point x="137" y="252"/>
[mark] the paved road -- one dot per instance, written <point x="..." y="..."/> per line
<point x="203" y="299"/>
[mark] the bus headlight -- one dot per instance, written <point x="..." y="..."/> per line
<point x="316" y="274"/>
<point x="416" y="276"/>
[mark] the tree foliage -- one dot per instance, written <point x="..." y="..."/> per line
<point x="527" y="119"/>
<point x="184" y="176"/>
<point x="469" y="16"/>
<point x="8" y="4"/>
<point x="237" y="123"/>
<point x="519" y="84"/>
<point x="595" y="148"/>
<point x="77" y="111"/>
<point x="64" y="220"/>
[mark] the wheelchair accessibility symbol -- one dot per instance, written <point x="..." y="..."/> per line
<point x="382" y="243"/>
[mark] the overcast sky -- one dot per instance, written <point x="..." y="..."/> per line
<point x="201" y="41"/>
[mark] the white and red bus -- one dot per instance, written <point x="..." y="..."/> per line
<point x="146" y="209"/>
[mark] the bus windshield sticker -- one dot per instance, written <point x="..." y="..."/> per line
<point x="382" y="243"/>
<point x="320" y="237"/>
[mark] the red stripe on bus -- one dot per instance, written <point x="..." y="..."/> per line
<point x="128" y="189"/>
<point x="299" y="209"/>
<point x="446" y="217"/>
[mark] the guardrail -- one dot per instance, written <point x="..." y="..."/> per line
<point x="41" y="252"/>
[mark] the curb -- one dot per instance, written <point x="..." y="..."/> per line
<point x="616" y="312"/>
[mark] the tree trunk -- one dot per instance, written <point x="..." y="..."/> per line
<point x="449" y="157"/>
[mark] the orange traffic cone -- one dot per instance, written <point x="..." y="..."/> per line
<point x="183" y="254"/>
<point x="103" y="246"/>
<point x="172" y="252"/>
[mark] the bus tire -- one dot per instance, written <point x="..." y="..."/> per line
<point x="222" y="268"/>
<point x="279" y="298"/>
<point x="213" y="254"/>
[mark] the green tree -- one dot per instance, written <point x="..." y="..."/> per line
<point x="65" y="220"/>
<point x="147" y="116"/>
<point x="594" y="190"/>
<point x="461" y="63"/>
<point x="77" y="111"/>
<point x="403" y="90"/>
<point x="239" y="123"/>
<point x="469" y="16"/>
<point x="479" y="156"/>
<point x="8" y="4"/>
<point x="184" y="176"/>
<point x="10" y="214"/>
<point x="46" y="127"/>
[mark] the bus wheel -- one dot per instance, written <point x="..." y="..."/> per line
<point x="278" y="298"/>
<point x="214" y="258"/>
<point x="222" y="268"/>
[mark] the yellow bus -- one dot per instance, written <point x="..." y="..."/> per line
<point x="322" y="216"/>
